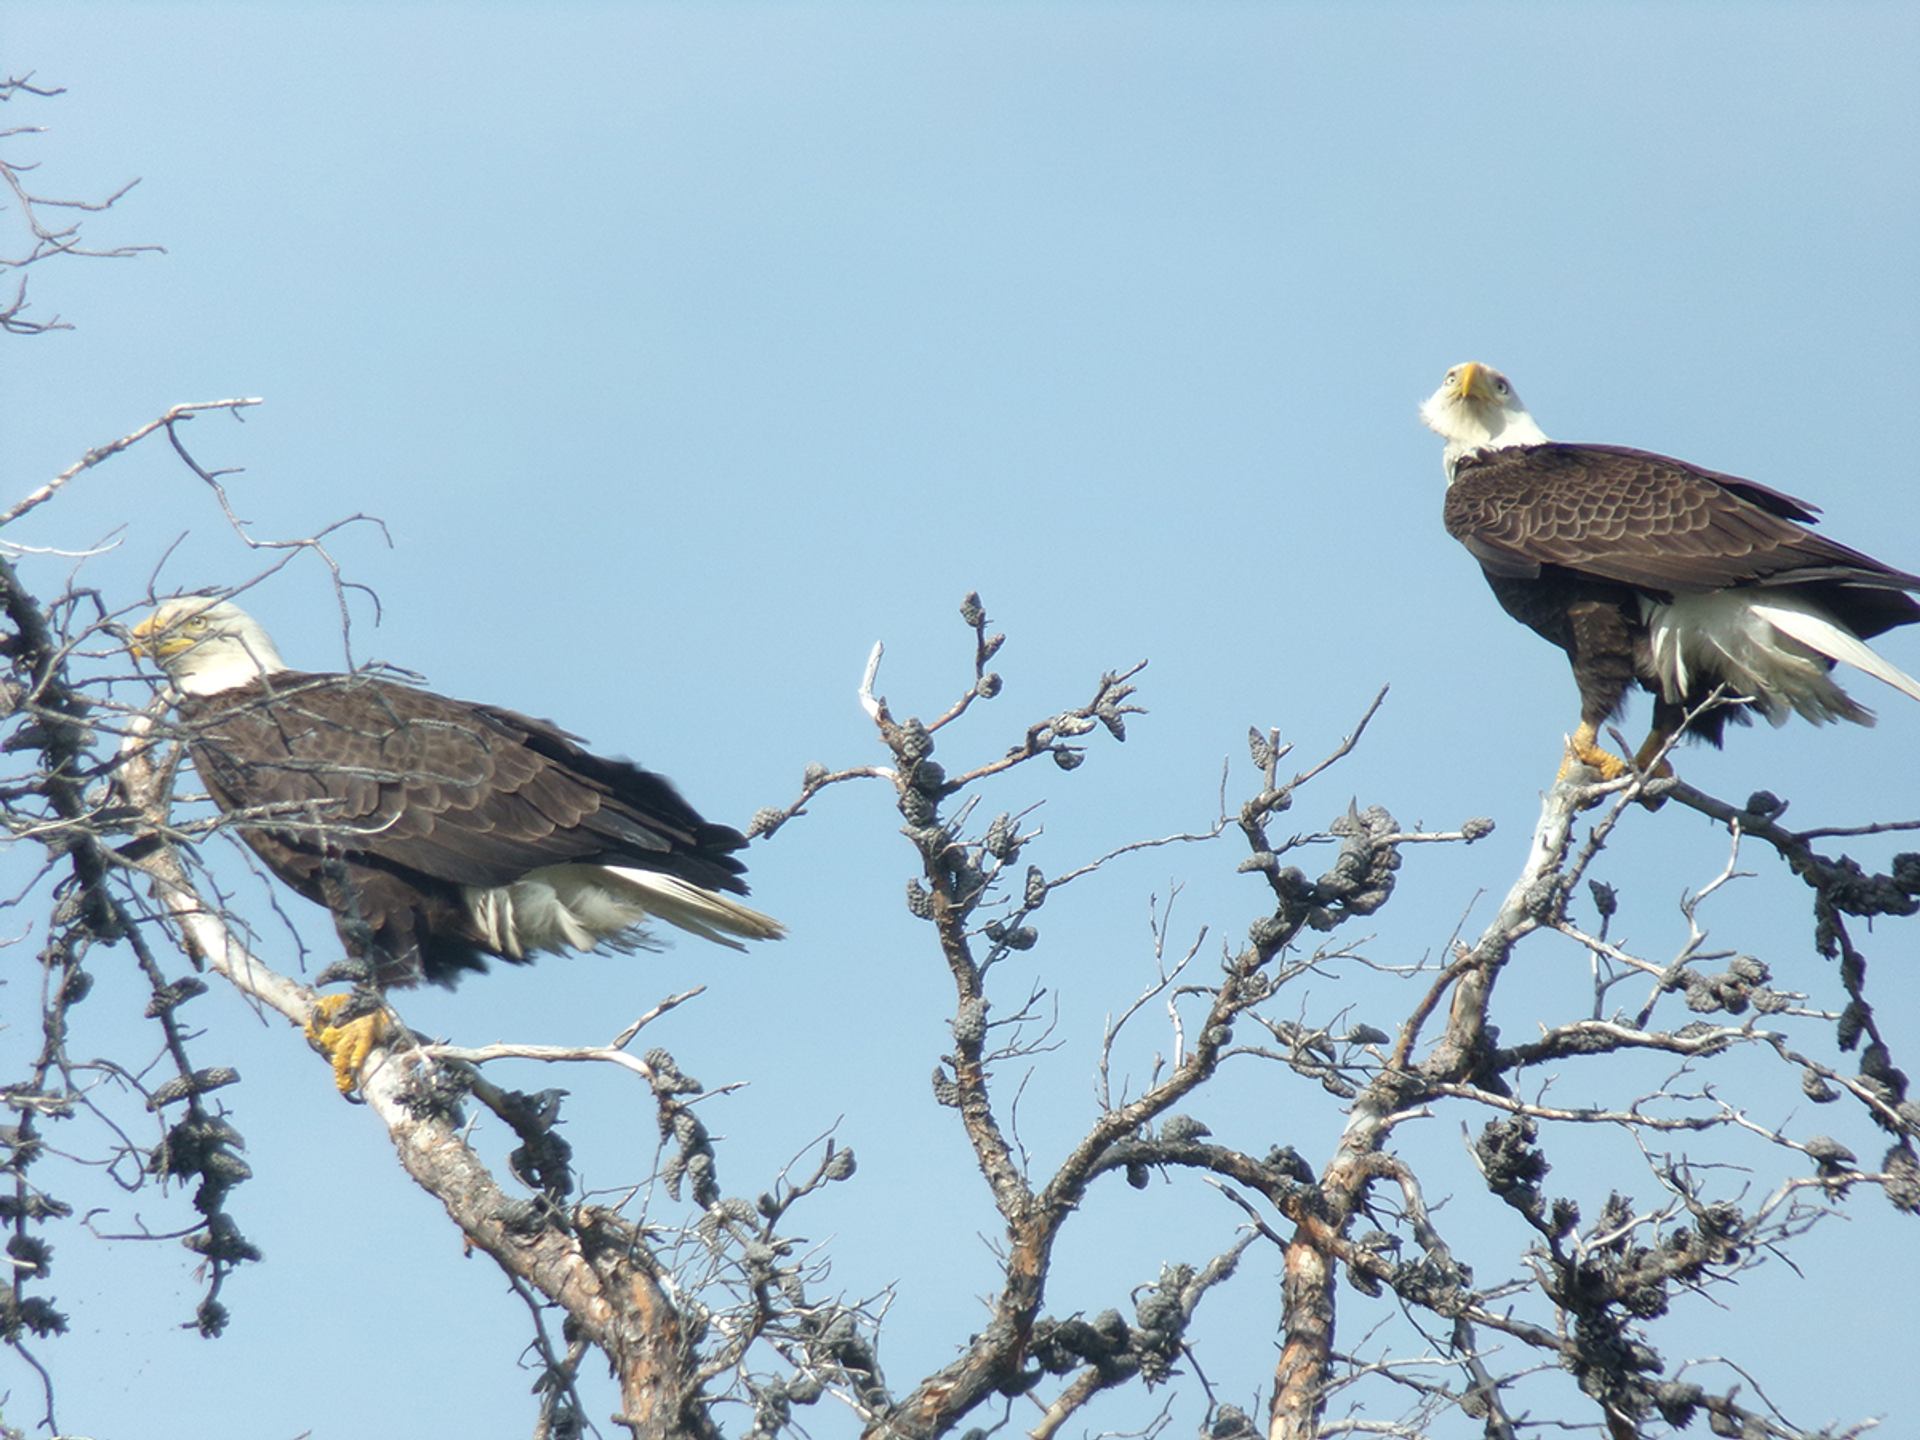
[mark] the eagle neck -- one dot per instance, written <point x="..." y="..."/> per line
<point x="1469" y="433"/>
<point x="1514" y="437"/>
<point x="215" y="671"/>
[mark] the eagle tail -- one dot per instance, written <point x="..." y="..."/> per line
<point x="586" y="907"/>
<point x="1835" y="641"/>
<point x="699" y="911"/>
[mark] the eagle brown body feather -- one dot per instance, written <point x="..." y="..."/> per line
<point x="384" y="802"/>
<point x="1572" y="536"/>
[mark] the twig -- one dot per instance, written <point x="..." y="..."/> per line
<point x="113" y="447"/>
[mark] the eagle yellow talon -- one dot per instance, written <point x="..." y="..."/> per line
<point x="1643" y="760"/>
<point x="348" y="1044"/>
<point x="1583" y="748"/>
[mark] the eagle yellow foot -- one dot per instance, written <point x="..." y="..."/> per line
<point x="1583" y="748"/>
<point x="1654" y="769"/>
<point x="1643" y="759"/>
<point x="348" y="1043"/>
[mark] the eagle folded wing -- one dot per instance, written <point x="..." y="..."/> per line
<point x="1642" y="520"/>
<point x="471" y="794"/>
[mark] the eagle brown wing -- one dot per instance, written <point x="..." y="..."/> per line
<point x="465" y="794"/>
<point x="1639" y="519"/>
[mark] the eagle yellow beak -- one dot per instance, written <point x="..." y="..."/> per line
<point x="170" y="640"/>
<point x="1473" y="381"/>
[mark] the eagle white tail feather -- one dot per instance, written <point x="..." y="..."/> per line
<point x="1773" y="648"/>
<point x="1815" y="630"/>
<point x="704" y="912"/>
<point x="586" y="907"/>
<point x="1775" y="651"/>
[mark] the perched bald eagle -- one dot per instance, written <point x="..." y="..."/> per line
<point x="438" y="832"/>
<point x="1648" y="569"/>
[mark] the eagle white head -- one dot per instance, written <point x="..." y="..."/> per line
<point x="1477" y="408"/>
<point x="206" y="645"/>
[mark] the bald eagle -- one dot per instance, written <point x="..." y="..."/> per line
<point x="439" y="832"/>
<point x="1648" y="569"/>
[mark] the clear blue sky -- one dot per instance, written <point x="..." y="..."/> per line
<point x="687" y="350"/>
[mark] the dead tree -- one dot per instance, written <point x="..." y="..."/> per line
<point x="707" y="1307"/>
<point x="712" y="1313"/>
